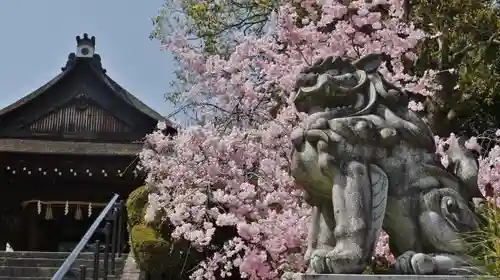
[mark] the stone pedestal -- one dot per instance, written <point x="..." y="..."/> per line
<point x="384" y="277"/>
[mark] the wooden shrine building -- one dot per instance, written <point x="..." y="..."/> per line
<point x="65" y="149"/>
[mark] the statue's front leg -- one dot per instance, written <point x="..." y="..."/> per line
<point x="351" y="196"/>
<point x="314" y="256"/>
<point x="431" y="264"/>
<point x="312" y="237"/>
<point x="320" y="239"/>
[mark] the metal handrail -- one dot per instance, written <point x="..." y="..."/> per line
<point x="66" y="266"/>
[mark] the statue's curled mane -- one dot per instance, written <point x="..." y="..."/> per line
<point x="336" y="88"/>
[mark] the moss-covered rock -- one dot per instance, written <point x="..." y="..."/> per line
<point x="150" y="250"/>
<point x="151" y="243"/>
<point x="136" y="206"/>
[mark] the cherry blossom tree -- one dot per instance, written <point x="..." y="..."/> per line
<point x="230" y="169"/>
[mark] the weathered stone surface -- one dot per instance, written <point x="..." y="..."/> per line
<point x="368" y="163"/>
<point x="385" y="277"/>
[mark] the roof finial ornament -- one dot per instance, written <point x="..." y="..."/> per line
<point x="85" y="46"/>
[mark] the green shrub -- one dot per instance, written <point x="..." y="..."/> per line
<point x="487" y="242"/>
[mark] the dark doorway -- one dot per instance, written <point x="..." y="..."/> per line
<point x="62" y="232"/>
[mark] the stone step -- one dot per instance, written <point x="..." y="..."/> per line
<point x="19" y="271"/>
<point x="26" y="265"/>
<point x="47" y="255"/>
<point x="49" y="262"/>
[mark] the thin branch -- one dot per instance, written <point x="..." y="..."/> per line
<point x="196" y="104"/>
<point x="406" y="10"/>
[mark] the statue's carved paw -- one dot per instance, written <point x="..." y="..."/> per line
<point x="403" y="263"/>
<point x="345" y="258"/>
<point x="317" y="262"/>
<point x="423" y="264"/>
<point x="415" y="263"/>
<point x="456" y="265"/>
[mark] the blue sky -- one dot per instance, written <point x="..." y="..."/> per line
<point x="37" y="36"/>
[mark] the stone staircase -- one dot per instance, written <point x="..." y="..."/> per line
<point x="43" y="265"/>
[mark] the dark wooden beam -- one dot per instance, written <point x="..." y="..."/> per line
<point x="68" y="148"/>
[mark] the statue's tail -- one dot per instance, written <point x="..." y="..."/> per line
<point x="379" y="191"/>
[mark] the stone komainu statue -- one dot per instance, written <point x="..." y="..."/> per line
<point x="368" y="163"/>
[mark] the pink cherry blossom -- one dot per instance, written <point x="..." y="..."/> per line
<point x="231" y="168"/>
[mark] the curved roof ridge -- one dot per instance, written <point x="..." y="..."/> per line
<point x="95" y="65"/>
<point x="128" y="97"/>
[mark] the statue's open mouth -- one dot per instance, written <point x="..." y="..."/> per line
<point x="344" y="94"/>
